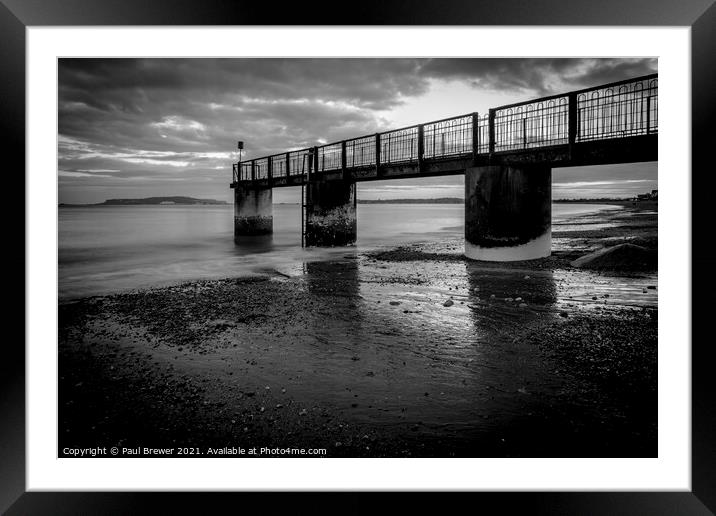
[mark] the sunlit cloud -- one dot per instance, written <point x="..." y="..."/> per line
<point x="72" y="173"/>
<point x="178" y="123"/>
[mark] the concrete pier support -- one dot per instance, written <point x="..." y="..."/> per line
<point x="331" y="213"/>
<point x="508" y="212"/>
<point x="253" y="211"/>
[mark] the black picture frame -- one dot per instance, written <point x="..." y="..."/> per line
<point x="700" y="15"/>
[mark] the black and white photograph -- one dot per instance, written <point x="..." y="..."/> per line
<point x="304" y="258"/>
<point x="357" y="257"/>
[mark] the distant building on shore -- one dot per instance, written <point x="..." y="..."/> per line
<point x="653" y="196"/>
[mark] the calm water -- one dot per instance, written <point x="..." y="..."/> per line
<point x="104" y="249"/>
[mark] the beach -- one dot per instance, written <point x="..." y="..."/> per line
<point x="394" y="351"/>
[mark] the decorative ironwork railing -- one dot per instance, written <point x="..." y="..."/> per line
<point x="621" y="110"/>
<point x="399" y="146"/>
<point x="616" y="110"/>
<point x="447" y="138"/>
<point x="536" y="124"/>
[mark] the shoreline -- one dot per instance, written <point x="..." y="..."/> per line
<point x="96" y="279"/>
<point x="363" y="355"/>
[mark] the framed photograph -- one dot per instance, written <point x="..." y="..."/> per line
<point x="453" y="255"/>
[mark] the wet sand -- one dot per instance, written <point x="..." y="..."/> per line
<point x="359" y="355"/>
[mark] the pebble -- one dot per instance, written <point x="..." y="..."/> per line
<point x="449" y="302"/>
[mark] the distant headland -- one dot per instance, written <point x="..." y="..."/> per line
<point x="460" y="200"/>
<point x="438" y="200"/>
<point x="149" y="200"/>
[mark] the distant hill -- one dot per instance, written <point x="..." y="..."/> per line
<point x="439" y="200"/>
<point x="593" y="200"/>
<point x="151" y="200"/>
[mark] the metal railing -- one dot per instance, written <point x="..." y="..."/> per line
<point x="616" y="110"/>
<point x="400" y="145"/>
<point x="329" y="157"/>
<point x="360" y="152"/>
<point x="534" y="124"/>
<point x="448" y="138"/>
<point x="628" y="109"/>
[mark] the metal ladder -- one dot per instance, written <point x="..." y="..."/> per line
<point x="306" y="177"/>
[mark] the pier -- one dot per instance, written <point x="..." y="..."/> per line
<point x="507" y="156"/>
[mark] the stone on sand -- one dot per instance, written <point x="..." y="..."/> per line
<point x="619" y="257"/>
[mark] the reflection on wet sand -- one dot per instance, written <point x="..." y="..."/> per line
<point x="409" y="361"/>
<point x="334" y="324"/>
<point x="339" y="276"/>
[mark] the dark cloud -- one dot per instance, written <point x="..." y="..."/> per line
<point x="135" y="120"/>
<point x="542" y="76"/>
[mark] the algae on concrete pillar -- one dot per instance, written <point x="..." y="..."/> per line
<point x="331" y="213"/>
<point x="508" y="212"/>
<point x="253" y="211"/>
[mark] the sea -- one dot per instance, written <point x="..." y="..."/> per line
<point x="107" y="249"/>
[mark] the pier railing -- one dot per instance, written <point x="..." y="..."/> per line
<point x="616" y="110"/>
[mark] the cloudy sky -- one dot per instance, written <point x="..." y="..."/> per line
<point x="159" y="127"/>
